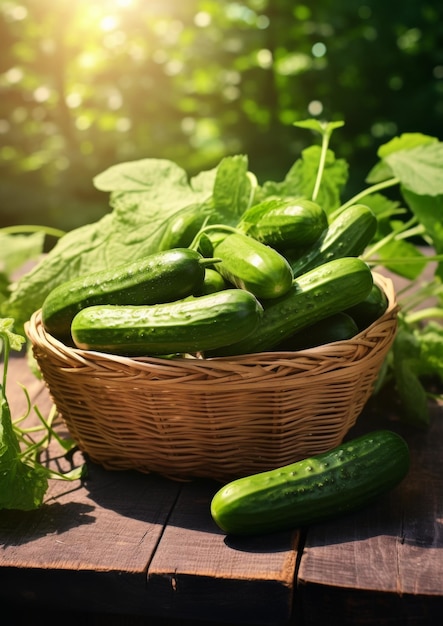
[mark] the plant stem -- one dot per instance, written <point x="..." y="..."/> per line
<point x="390" y="237"/>
<point x="204" y="229"/>
<point x="422" y="314"/>
<point x="32" y="228"/>
<point x="4" y="337"/>
<point x="390" y="182"/>
<point x="321" y="166"/>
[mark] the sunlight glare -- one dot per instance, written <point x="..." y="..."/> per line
<point x="108" y="23"/>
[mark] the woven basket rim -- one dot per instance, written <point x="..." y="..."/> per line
<point x="37" y="334"/>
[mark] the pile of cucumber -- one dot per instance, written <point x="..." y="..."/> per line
<point x="282" y="278"/>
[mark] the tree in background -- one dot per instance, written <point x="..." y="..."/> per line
<point x="86" y="84"/>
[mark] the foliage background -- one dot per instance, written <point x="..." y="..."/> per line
<point x="86" y="84"/>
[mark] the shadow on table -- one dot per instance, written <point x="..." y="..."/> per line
<point x="20" y="527"/>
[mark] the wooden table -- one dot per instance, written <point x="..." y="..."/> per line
<point x="128" y="548"/>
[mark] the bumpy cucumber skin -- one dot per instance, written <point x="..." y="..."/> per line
<point x="284" y="223"/>
<point x="251" y="265"/>
<point x="347" y="235"/>
<point x="341" y="480"/>
<point x="187" y="326"/>
<point x="160" y="277"/>
<point x="319" y="293"/>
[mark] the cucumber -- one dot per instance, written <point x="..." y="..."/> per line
<point x="347" y="235"/>
<point x="160" y="277"/>
<point x="184" y="225"/>
<point x="370" y="309"/>
<point x="321" y="292"/>
<point x="213" y="282"/>
<point x="186" y="326"/>
<point x="338" y="327"/>
<point x="344" y="479"/>
<point x="284" y="223"/>
<point x="251" y="265"/>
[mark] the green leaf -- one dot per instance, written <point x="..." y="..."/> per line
<point x="72" y="255"/>
<point x="18" y="249"/>
<point x="323" y="128"/>
<point x="429" y="211"/>
<point x="384" y="209"/>
<point x="23" y="481"/>
<point x="419" y="169"/>
<point x="381" y="170"/>
<point x="406" y="141"/>
<point x="402" y="258"/>
<point x="7" y="331"/>
<point x="4" y="287"/>
<point x="232" y="189"/>
<point x="142" y="176"/>
<point x="412" y="394"/>
<point x="144" y="195"/>
<point x="411" y="391"/>
<point x="430" y="338"/>
<point x="301" y="178"/>
<point x="21" y="486"/>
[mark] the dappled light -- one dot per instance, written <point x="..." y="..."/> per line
<point x="87" y="84"/>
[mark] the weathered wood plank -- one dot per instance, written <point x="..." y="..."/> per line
<point x="197" y="568"/>
<point x="385" y="561"/>
<point x="91" y="540"/>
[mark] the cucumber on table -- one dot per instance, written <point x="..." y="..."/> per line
<point x="314" y="489"/>
<point x="160" y="277"/>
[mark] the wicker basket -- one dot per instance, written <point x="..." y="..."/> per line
<point x="216" y="418"/>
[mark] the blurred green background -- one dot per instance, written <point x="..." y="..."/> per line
<point x="86" y="84"/>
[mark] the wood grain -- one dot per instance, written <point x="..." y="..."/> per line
<point x="95" y="534"/>
<point x="386" y="559"/>
<point x="197" y="567"/>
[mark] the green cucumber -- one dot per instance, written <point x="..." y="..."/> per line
<point x="213" y="282"/>
<point x="321" y="292"/>
<point x="160" y="277"/>
<point x="337" y="327"/>
<point x="185" y="326"/>
<point x="284" y="223"/>
<point x="370" y="309"/>
<point x="347" y="235"/>
<point x="344" y="479"/>
<point x="251" y="265"/>
<point x="182" y="227"/>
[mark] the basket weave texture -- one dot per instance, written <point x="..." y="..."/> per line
<point x="215" y="418"/>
